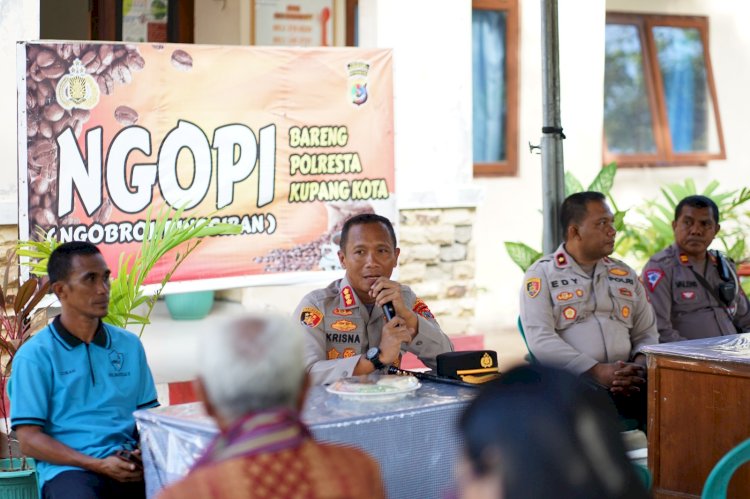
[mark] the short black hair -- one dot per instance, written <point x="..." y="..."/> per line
<point x="58" y="266"/>
<point x="697" y="201"/>
<point x="365" y="218"/>
<point x="573" y="209"/>
<point x="525" y="428"/>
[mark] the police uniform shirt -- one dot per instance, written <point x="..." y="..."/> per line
<point x="82" y="395"/>
<point x="341" y="329"/>
<point x="575" y="320"/>
<point x="684" y="308"/>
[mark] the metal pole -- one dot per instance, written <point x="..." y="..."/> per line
<point x="553" y="172"/>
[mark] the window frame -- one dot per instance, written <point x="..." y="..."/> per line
<point x="508" y="167"/>
<point x="665" y="155"/>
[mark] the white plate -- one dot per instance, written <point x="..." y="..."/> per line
<point x="374" y="388"/>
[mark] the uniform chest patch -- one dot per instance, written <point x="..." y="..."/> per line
<point x="688" y="295"/>
<point x="533" y="286"/>
<point x="618" y="271"/>
<point x="565" y="296"/>
<point x="653" y="276"/>
<point x="310" y="316"/>
<point x="569" y="313"/>
<point x="579" y="293"/>
<point x="625" y="312"/>
<point x="342" y="311"/>
<point x="333" y="354"/>
<point x="344" y="325"/>
<point x="348" y="352"/>
<point x="625" y="292"/>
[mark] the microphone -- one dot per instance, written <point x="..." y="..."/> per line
<point x="389" y="310"/>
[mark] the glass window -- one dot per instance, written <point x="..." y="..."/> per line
<point x="494" y="30"/>
<point x="659" y="96"/>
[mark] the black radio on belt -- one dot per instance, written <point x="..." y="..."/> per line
<point x="727" y="290"/>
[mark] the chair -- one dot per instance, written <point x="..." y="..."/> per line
<point x="529" y="356"/>
<point x="718" y="480"/>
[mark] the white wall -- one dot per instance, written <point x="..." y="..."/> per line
<point x="432" y="95"/>
<point x="19" y="20"/>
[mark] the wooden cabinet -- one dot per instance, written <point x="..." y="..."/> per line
<point x="699" y="409"/>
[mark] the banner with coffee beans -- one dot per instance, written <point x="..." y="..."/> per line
<point x="286" y="142"/>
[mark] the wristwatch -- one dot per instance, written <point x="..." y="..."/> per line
<point x="373" y="356"/>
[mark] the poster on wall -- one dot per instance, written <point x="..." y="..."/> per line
<point x="293" y="23"/>
<point x="144" y="20"/>
<point x="286" y="142"/>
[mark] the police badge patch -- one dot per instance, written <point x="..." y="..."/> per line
<point x="533" y="286"/>
<point x="310" y="316"/>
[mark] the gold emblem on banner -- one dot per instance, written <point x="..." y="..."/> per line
<point x="77" y="88"/>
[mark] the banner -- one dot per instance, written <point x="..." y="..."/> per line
<point x="286" y="142"/>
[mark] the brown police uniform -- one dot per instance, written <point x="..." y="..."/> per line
<point x="574" y="320"/>
<point x="684" y="308"/>
<point x="342" y="329"/>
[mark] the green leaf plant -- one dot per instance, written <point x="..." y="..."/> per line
<point x="162" y="235"/>
<point x="17" y="304"/>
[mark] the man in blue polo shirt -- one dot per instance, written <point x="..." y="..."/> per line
<point x="75" y="385"/>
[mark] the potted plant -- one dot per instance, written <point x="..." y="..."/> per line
<point x="17" y="304"/>
<point x="126" y="295"/>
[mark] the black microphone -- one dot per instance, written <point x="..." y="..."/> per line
<point x="389" y="310"/>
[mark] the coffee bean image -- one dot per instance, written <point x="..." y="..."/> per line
<point x="109" y="64"/>
<point x="182" y="60"/>
<point x="126" y="115"/>
<point x="104" y="212"/>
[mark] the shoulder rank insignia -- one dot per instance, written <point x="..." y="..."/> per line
<point x="310" y="317"/>
<point x="421" y="308"/>
<point x="533" y="286"/>
<point x="344" y="326"/>
<point x="347" y="295"/>
<point x="652" y="277"/>
<point x="561" y="259"/>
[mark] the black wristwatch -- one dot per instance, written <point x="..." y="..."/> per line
<point x="373" y="356"/>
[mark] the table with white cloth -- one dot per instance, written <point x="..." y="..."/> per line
<point x="415" y="439"/>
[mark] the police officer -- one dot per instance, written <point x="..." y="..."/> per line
<point x="349" y="333"/>
<point x="586" y="312"/>
<point x="695" y="292"/>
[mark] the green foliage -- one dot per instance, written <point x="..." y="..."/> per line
<point x="522" y="254"/>
<point x="161" y="236"/>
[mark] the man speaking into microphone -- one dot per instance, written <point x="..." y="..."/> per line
<point x="349" y="333"/>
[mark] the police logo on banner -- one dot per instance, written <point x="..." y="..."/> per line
<point x="358" y="82"/>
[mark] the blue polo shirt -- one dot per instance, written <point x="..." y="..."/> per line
<point x="81" y="395"/>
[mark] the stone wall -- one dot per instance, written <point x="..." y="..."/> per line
<point x="437" y="261"/>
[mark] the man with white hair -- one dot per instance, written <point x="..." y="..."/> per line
<point x="252" y="381"/>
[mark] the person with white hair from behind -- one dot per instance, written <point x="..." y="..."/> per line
<point x="252" y="381"/>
